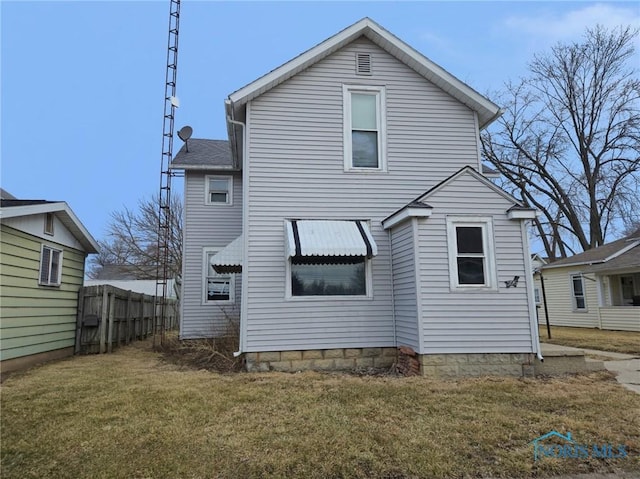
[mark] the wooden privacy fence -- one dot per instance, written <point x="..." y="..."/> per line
<point x="109" y="316"/>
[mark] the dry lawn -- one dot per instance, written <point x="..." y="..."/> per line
<point x="131" y="415"/>
<point x="616" y="341"/>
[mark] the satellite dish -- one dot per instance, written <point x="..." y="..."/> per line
<point x="185" y="133"/>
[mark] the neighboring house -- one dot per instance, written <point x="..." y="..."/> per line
<point x="43" y="246"/>
<point x="348" y="216"/>
<point x="599" y="288"/>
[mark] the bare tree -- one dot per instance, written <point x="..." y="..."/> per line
<point x="131" y="243"/>
<point x="568" y="142"/>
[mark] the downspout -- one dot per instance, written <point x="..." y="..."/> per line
<point x="245" y="186"/>
<point x="393" y="291"/>
<point x="533" y="323"/>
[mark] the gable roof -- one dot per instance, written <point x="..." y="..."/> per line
<point x="486" y="109"/>
<point x="201" y="154"/>
<point x="5" y="195"/>
<point x="17" y="208"/>
<point x="621" y="253"/>
<point x="419" y="202"/>
<point x="468" y="170"/>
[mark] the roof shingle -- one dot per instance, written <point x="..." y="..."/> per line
<point x="203" y="154"/>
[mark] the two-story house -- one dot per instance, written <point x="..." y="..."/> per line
<point x="347" y="215"/>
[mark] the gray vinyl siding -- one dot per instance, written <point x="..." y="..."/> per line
<point x="296" y="170"/>
<point x="205" y="226"/>
<point x="404" y="285"/>
<point x="472" y="321"/>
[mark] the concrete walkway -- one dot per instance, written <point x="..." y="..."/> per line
<point x="626" y="367"/>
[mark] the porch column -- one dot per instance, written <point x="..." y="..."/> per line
<point x="601" y="301"/>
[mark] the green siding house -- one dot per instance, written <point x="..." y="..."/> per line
<point x="43" y="247"/>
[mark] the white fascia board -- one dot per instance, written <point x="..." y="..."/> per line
<point x="529" y="214"/>
<point x="405" y="214"/>
<point x="579" y="263"/>
<point x="488" y="110"/>
<point x="202" y="167"/>
<point x="27" y="210"/>
<point x="302" y="61"/>
<point x="68" y="218"/>
<point x="622" y="251"/>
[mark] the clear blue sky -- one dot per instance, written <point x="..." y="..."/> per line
<point x="83" y="82"/>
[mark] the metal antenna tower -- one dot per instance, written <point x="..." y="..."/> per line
<point x="164" y="198"/>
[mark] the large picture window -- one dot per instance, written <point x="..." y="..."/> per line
<point x="471" y="263"/>
<point x="328" y="276"/>
<point x="364" y="122"/>
<point x="50" y="266"/>
<point x="217" y="287"/>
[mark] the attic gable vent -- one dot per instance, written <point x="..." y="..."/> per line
<point x="363" y="63"/>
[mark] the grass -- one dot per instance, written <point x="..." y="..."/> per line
<point x="132" y="415"/>
<point x="616" y="341"/>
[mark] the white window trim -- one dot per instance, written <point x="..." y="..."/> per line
<point x="364" y="297"/>
<point x="229" y="180"/>
<point x="381" y="126"/>
<point x="58" y="280"/>
<point x="232" y="281"/>
<point x="486" y="223"/>
<point x="574" y="304"/>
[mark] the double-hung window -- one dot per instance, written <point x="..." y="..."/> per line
<point x="471" y="253"/>
<point x="577" y="292"/>
<point x="217" y="287"/>
<point x="364" y="128"/>
<point x="50" y="266"/>
<point x="219" y="190"/>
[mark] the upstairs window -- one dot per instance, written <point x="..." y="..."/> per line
<point x="471" y="263"/>
<point x="577" y="291"/>
<point x="219" y="190"/>
<point x="50" y="266"/>
<point x="364" y="121"/>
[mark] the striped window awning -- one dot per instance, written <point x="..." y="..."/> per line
<point x="229" y="259"/>
<point x="306" y="238"/>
